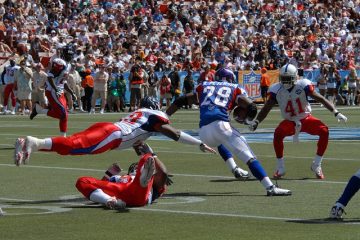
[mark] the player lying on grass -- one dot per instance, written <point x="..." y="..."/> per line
<point x="292" y="97"/>
<point x="216" y="99"/>
<point x="350" y="190"/>
<point x="130" y="131"/>
<point x="145" y="181"/>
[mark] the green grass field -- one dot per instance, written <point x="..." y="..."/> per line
<point x="40" y="200"/>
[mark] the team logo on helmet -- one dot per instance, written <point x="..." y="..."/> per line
<point x="150" y="103"/>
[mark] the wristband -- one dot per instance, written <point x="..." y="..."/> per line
<point x="187" y="139"/>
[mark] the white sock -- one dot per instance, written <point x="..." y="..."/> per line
<point x="230" y="162"/>
<point x="43" y="144"/>
<point x="266" y="182"/>
<point x="318" y="160"/>
<point x="280" y="163"/>
<point x="99" y="196"/>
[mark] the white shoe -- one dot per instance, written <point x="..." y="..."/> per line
<point x="337" y="211"/>
<point x="147" y="171"/>
<point x="19" y="151"/>
<point x="317" y="170"/>
<point x="113" y="203"/>
<point x="240" y="174"/>
<point x="12" y="112"/>
<point x="102" y="111"/>
<point x="30" y="146"/>
<point x="279" y="173"/>
<point x="276" y="191"/>
<point x="92" y="111"/>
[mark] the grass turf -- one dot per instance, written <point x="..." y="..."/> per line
<point x="205" y="202"/>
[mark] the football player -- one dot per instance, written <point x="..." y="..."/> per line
<point x="215" y="100"/>
<point x="350" y="190"/>
<point x="292" y="97"/>
<point x="130" y="131"/>
<point x="135" y="189"/>
<point x="8" y="79"/>
<point x="55" y="86"/>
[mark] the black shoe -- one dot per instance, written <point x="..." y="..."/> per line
<point x="33" y="113"/>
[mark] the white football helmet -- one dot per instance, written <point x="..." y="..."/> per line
<point x="288" y="75"/>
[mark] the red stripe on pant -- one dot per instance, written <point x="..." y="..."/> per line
<point x="8" y="92"/>
<point x="57" y="109"/>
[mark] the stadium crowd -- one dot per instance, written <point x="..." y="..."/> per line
<point x="104" y="39"/>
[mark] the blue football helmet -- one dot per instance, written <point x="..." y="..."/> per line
<point x="150" y="103"/>
<point x="225" y="75"/>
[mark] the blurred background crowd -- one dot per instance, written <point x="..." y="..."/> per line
<point x="114" y="46"/>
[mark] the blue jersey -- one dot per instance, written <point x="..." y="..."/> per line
<point x="216" y="99"/>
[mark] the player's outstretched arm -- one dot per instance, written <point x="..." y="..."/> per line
<point x="270" y="103"/>
<point x="182" y="137"/>
<point x="184" y="100"/>
<point x="328" y="105"/>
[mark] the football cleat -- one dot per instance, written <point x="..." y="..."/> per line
<point x="114" y="203"/>
<point x="33" y="112"/>
<point x="19" y="151"/>
<point x="147" y="172"/>
<point x="317" y="170"/>
<point x="276" y="191"/>
<point x="337" y="211"/>
<point x="240" y="174"/>
<point x="279" y="173"/>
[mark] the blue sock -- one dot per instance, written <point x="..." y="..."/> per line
<point x="351" y="188"/>
<point x="224" y="153"/>
<point x="256" y="169"/>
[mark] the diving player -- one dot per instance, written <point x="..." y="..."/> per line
<point x="130" y="131"/>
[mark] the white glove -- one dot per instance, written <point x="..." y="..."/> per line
<point x="253" y="125"/>
<point x="340" y="117"/>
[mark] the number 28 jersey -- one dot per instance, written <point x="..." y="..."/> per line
<point x="294" y="104"/>
<point x="216" y="99"/>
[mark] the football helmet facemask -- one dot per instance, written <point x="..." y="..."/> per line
<point x="288" y="75"/>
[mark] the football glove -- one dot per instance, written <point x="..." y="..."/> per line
<point x="340" y="117"/>
<point x="253" y="125"/>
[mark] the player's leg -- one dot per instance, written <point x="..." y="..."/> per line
<point x="314" y="126"/>
<point x="350" y="190"/>
<point x="98" y="138"/>
<point x="220" y="132"/>
<point x="100" y="191"/>
<point x="231" y="164"/>
<point x="58" y="110"/>
<point x="284" y="129"/>
<point x="138" y="192"/>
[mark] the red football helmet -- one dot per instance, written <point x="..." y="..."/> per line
<point x="58" y="66"/>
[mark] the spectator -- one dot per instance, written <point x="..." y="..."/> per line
<point x="165" y="91"/>
<point x="136" y="79"/>
<point x="153" y="82"/>
<point x="38" y="90"/>
<point x="88" y="84"/>
<point x="23" y="86"/>
<point x="175" y="81"/>
<point x="264" y="84"/>
<point x="188" y="84"/>
<point x="101" y="79"/>
<point x="74" y="82"/>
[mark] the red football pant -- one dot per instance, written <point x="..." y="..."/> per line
<point x="133" y="194"/>
<point x="9" y="92"/>
<point x="57" y="109"/>
<point x="310" y="125"/>
<point x="98" y="138"/>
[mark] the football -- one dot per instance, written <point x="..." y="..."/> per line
<point x="240" y="114"/>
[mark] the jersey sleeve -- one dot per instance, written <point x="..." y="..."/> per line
<point x="307" y="86"/>
<point x="155" y="120"/>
